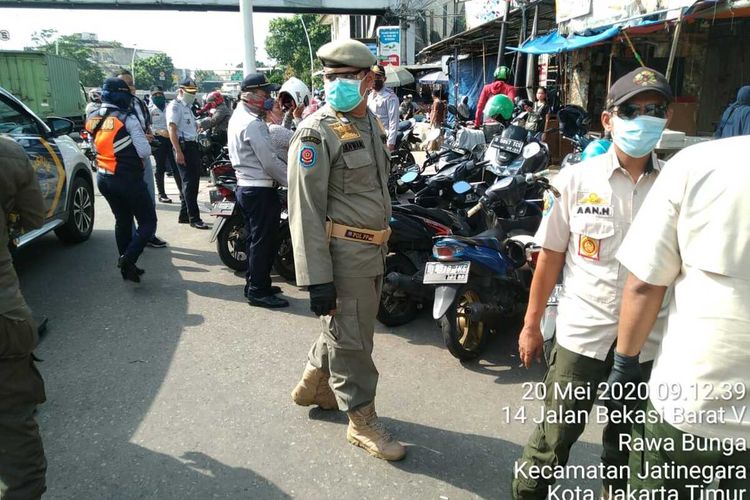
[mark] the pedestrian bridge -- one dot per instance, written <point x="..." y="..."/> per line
<point x="371" y="7"/>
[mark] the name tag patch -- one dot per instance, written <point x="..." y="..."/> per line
<point x="356" y="235"/>
<point x="308" y="156"/>
<point x="589" y="247"/>
<point x="600" y="210"/>
<point x="348" y="147"/>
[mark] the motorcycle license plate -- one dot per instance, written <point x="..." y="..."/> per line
<point x="510" y="145"/>
<point x="441" y="273"/>
<point x="222" y="208"/>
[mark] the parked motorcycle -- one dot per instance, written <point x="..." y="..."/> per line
<point x="211" y="149"/>
<point x="230" y="233"/>
<point x="484" y="280"/>
<point x="402" y="157"/>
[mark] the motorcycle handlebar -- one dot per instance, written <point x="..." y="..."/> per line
<point x="474" y="210"/>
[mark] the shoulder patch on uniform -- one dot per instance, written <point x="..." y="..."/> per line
<point x="308" y="156"/>
<point x="350" y="146"/>
<point x="549" y="203"/>
<point x="310" y="138"/>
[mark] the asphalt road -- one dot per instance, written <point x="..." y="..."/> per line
<point x="177" y="389"/>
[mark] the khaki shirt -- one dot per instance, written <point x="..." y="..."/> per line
<point x="20" y="196"/>
<point x="338" y="169"/>
<point x="588" y="223"/>
<point x="697" y="224"/>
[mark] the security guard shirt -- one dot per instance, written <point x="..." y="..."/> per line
<point x="588" y="223"/>
<point x="158" y="119"/>
<point x="253" y="156"/>
<point x="338" y="170"/>
<point x="182" y="116"/>
<point x="384" y="104"/>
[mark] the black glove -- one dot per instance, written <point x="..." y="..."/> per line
<point x="322" y="298"/>
<point x="625" y="370"/>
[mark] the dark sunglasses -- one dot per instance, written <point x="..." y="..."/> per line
<point x="631" y="111"/>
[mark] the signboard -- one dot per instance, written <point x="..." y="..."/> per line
<point x="317" y="6"/>
<point x="4" y="35"/>
<point x="581" y="15"/>
<point x="479" y="12"/>
<point x="389" y="45"/>
<point x="162" y="75"/>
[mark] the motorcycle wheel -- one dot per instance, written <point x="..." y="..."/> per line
<point x="284" y="262"/>
<point x="230" y="244"/>
<point x="397" y="307"/>
<point x="406" y="158"/>
<point x="464" y="338"/>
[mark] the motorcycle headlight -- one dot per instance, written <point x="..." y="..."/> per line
<point x="531" y="149"/>
<point x="205" y="142"/>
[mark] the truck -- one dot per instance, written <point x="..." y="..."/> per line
<point x="47" y="83"/>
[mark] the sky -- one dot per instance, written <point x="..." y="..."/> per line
<point x="194" y="40"/>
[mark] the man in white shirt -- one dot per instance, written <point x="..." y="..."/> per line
<point x="693" y="232"/>
<point x="581" y="231"/>
<point x="383" y="102"/>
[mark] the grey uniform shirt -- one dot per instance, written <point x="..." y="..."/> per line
<point x="384" y="104"/>
<point x="19" y="194"/>
<point x="338" y="170"/>
<point x="181" y="115"/>
<point x="250" y="149"/>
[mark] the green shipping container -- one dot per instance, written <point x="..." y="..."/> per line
<point x="48" y="84"/>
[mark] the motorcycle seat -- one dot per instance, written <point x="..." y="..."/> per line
<point x="435" y="214"/>
<point x="492" y="238"/>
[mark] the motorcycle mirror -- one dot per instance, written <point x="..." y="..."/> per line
<point x="461" y="187"/>
<point x="409" y="177"/>
<point x="501" y="184"/>
<point x="531" y="149"/>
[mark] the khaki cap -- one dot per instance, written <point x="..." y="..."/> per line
<point x="345" y="54"/>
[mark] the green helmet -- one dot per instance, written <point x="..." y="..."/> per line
<point x="502" y="73"/>
<point x="500" y="107"/>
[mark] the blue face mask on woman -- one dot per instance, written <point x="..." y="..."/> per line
<point x="343" y="94"/>
<point x="637" y="137"/>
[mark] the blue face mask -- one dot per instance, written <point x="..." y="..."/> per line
<point x="637" y="137"/>
<point x="343" y="94"/>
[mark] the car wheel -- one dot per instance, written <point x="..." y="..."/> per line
<point x="80" y="221"/>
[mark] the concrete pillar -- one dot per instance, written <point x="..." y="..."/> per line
<point x="246" y="12"/>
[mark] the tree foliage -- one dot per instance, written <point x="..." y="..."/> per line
<point x="71" y="46"/>
<point x="286" y="43"/>
<point x="148" y="72"/>
<point x="206" y="75"/>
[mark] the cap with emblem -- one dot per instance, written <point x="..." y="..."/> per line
<point x="258" y="81"/>
<point x="378" y="70"/>
<point x="345" y="55"/>
<point x="189" y="85"/>
<point x="636" y="82"/>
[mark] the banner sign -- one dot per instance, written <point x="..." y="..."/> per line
<point x="389" y="45"/>
<point x="479" y="12"/>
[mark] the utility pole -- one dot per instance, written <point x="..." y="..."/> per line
<point x="246" y="12"/>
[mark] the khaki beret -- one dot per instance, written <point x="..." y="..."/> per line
<point x="346" y="54"/>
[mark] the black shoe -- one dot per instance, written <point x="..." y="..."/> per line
<point x="140" y="271"/>
<point x="269" y="301"/>
<point x="156" y="242"/>
<point x="271" y="291"/>
<point x="128" y="270"/>
<point x="183" y="220"/>
<point x="199" y="224"/>
<point x="164" y="198"/>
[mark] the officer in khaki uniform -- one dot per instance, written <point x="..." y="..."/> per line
<point x="22" y="462"/>
<point x="339" y="210"/>
<point x="581" y="231"/>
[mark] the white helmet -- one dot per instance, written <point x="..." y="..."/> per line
<point x="95" y="95"/>
<point x="297" y="90"/>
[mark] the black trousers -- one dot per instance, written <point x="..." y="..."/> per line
<point x="262" y="209"/>
<point x="165" y="163"/>
<point x="128" y="197"/>
<point x="190" y="174"/>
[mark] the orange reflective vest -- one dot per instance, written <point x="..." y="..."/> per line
<point x="115" y="151"/>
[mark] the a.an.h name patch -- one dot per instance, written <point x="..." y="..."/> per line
<point x="350" y="146"/>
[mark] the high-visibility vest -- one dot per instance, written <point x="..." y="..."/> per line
<point x="115" y="151"/>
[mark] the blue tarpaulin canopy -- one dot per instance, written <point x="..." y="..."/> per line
<point x="554" y="42"/>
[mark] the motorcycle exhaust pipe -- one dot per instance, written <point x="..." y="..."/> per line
<point x="409" y="284"/>
<point x="487" y="313"/>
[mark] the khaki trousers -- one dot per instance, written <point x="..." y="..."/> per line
<point x="344" y="348"/>
<point x="22" y="462"/>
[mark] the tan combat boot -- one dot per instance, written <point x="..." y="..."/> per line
<point x="313" y="389"/>
<point x="366" y="431"/>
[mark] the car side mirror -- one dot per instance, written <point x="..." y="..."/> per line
<point x="60" y="126"/>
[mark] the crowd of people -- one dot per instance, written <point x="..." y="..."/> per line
<point x="655" y="281"/>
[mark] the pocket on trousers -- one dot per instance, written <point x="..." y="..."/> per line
<point x="344" y="326"/>
<point x="17" y="338"/>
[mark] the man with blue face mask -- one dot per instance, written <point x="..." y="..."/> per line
<point x="580" y="233"/>
<point x="339" y="208"/>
